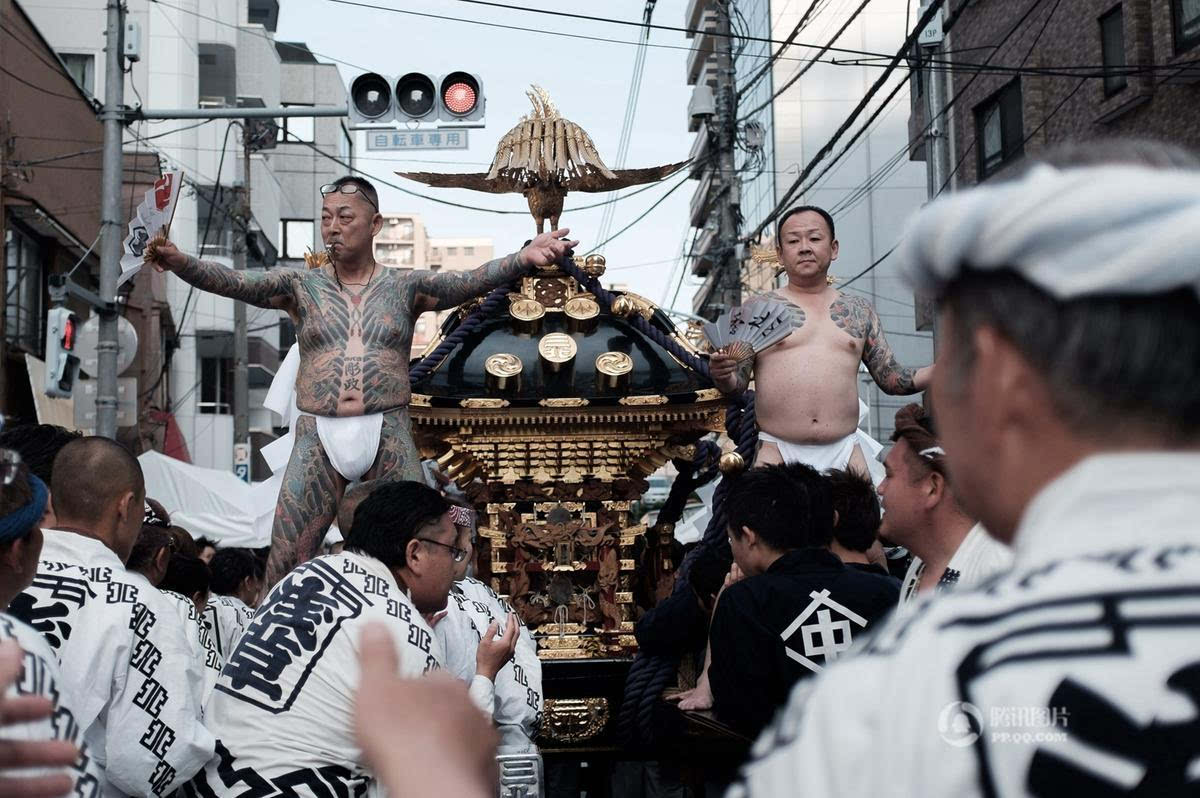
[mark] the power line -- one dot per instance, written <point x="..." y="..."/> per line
<point x="42" y="89"/>
<point x="643" y="214"/>
<point x="755" y="78"/>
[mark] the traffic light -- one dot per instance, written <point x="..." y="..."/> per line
<point x="371" y="99"/>
<point x="453" y="100"/>
<point x="62" y="365"/>
<point x="461" y="100"/>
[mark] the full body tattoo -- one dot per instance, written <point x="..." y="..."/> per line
<point x="354" y="352"/>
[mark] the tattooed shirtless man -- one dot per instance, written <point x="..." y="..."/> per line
<point x="806" y="388"/>
<point x="354" y="324"/>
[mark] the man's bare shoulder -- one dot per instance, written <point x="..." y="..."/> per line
<point x="853" y="313"/>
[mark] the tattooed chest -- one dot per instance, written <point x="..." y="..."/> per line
<point x="332" y="319"/>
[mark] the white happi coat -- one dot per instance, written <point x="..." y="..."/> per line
<point x="515" y="700"/>
<point x="1076" y="673"/>
<point x="40" y="676"/>
<point x="167" y="603"/>
<point x="129" y="670"/>
<point x="978" y="557"/>
<point x="283" y="709"/>
<point x="225" y="618"/>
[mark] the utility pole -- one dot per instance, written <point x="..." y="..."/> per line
<point x="728" y="284"/>
<point x="112" y="115"/>
<point x="937" y="142"/>
<point x="241" y="385"/>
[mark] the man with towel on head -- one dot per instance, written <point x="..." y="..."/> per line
<point x="354" y="323"/>
<point x="1069" y="409"/>
<point x="806" y="388"/>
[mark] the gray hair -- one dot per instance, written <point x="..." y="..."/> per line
<point x="1113" y="364"/>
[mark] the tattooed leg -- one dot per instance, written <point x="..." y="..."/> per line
<point x="308" y="502"/>
<point x="396" y="461"/>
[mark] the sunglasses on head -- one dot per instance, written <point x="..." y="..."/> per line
<point x="347" y="188"/>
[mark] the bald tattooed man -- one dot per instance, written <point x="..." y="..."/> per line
<point x="354" y="324"/>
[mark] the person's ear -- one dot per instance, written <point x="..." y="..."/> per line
<point x="413" y="556"/>
<point x="161" y="558"/>
<point x="833" y="250"/>
<point x="936" y="490"/>
<point x="12" y="555"/>
<point x="749" y="536"/>
<point x="123" y="506"/>
<point x="836" y="519"/>
<point x="376" y="224"/>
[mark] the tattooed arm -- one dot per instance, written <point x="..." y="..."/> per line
<point x="270" y="289"/>
<point x="856" y="316"/>
<point x="448" y="289"/>
<point x="442" y="290"/>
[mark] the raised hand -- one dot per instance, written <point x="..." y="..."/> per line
<point x="495" y="652"/>
<point x="547" y="248"/>
<point x="723" y="370"/>
<point x="420" y="736"/>
<point x="20" y="754"/>
<point x="163" y="255"/>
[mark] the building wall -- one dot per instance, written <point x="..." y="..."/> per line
<point x="874" y="188"/>
<point x="1058" y="109"/>
<point x="403" y="242"/>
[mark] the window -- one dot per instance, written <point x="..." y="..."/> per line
<point x="295" y="128"/>
<point x="468" y="250"/>
<point x="404" y="255"/>
<point x="216" y="385"/>
<point x="81" y="67"/>
<point x="999" y="129"/>
<point x="1186" y="15"/>
<point x="452" y="251"/>
<point x="296" y="237"/>
<point x="1112" y="50"/>
<point x="405" y="231"/>
<point x="23" y="319"/>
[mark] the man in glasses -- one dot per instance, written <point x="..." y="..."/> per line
<point x="291" y="680"/>
<point x="354" y="323"/>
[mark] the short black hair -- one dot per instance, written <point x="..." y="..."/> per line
<point x="230" y="568"/>
<point x="186" y="575"/>
<point x="392" y="515"/>
<point x="79" y="492"/>
<point x="857" y="506"/>
<point x="38" y="445"/>
<point x="788" y="506"/>
<point x="150" y="541"/>
<point x="824" y="214"/>
<point x="364" y="185"/>
<point x="202" y="543"/>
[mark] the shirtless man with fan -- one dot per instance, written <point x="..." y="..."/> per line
<point x="806" y="386"/>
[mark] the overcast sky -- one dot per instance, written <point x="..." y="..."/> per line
<point x="588" y="80"/>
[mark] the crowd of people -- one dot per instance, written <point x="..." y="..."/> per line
<point x="1040" y="640"/>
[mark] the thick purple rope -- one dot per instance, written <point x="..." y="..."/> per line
<point x="470" y="324"/>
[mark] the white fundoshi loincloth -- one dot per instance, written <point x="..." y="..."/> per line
<point x="824" y="456"/>
<point x="351" y="442"/>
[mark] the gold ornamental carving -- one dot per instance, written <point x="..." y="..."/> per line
<point x="567" y="401"/>
<point x="557" y="350"/>
<point x="642" y="401"/>
<point x="574" y="720"/>
<point x="483" y="403"/>
<point x="503" y="372"/>
<point x="594" y="265"/>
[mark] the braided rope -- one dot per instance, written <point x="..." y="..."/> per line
<point x="470" y="324"/>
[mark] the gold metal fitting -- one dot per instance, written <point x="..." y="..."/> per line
<point x="527" y="314"/>
<point x="612" y="370"/>
<point x="731" y="463"/>
<point x="594" y="265"/>
<point x="503" y="372"/>
<point x="583" y="314"/>
<point x="623" y="306"/>
<point x="557" y="351"/>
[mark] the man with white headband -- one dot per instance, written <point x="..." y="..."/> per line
<point x="1069" y="410"/>
<point x="922" y="513"/>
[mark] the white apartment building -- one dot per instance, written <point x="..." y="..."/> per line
<point x="224" y="55"/>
